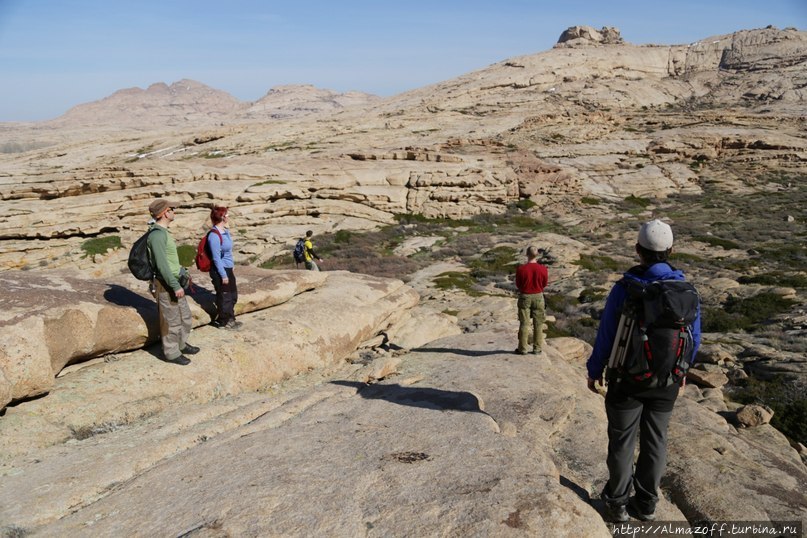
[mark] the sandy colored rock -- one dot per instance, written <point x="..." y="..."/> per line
<point x="754" y="415"/>
<point x="714" y="379"/>
<point x="54" y="318"/>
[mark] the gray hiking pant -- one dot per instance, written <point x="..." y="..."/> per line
<point x="175" y="321"/>
<point x="647" y="413"/>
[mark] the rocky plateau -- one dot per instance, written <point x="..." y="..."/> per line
<point x="358" y="404"/>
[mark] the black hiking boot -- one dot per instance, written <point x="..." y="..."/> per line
<point x="190" y="350"/>
<point x="639" y="512"/>
<point x="615" y="513"/>
<point x="182" y="360"/>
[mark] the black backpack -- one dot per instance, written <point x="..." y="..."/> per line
<point x="139" y="261"/>
<point x="654" y="342"/>
<point x="299" y="251"/>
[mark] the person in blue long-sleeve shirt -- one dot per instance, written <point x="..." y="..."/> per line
<point x="220" y="243"/>
<point x="630" y="408"/>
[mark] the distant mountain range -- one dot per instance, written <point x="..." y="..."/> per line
<point x="188" y="102"/>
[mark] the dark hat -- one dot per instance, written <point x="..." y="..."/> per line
<point x="158" y="207"/>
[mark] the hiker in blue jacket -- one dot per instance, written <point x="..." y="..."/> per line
<point x="221" y="273"/>
<point x="631" y="408"/>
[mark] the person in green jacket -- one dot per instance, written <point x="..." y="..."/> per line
<point x="172" y="305"/>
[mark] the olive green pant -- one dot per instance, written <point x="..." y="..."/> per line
<point x="531" y="307"/>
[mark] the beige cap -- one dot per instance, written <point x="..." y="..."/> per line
<point x="158" y="207"/>
<point x="656" y="236"/>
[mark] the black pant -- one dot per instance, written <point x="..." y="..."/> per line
<point x="226" y="296"/>
<point x="647" y="412"/>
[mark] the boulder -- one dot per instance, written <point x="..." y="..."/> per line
<point x="751" y="416"/>
<point x="713" y="379"/>
<point x="55" y="318"/>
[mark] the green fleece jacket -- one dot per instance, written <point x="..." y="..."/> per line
<point x="164" y="256"/>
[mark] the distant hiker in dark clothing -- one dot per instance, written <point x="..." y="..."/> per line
<point x="172" y="305"/>
<point x="531" y="279"/>
<point x="631" y="406"/>
<point x="310" y="255"/>
<point x="221" y="254"/>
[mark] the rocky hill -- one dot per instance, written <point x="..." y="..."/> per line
<point x="187" y="103"/>
<point x="441" y="187"/>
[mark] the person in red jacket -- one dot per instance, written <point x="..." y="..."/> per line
<point x="531" y="279"/>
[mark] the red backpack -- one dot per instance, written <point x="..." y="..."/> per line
<point x="203" y="261"/>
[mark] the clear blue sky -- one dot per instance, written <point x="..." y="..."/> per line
<point x="55" y="54"/>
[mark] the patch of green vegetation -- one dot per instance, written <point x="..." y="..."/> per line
<point x="637" y="201"/>
<point x="745" y="314"/>
<point x="342" y="236"/>
<point x="776" y="279"/>
<point x="449" y="312"/>
<point x="793" y="255"/>
<point x="553" y="331"/>
<point x="784" y="397"/>
<point x="270" y="182"/>
<point x="588" y="200"/>
<point x="557" y="302"/>
<point x="496" y="261"/>
<point x="187" y="255"/>
<point x="716" y="241"/>
<point x="591" y="295"/>
<point x="525" y="204"/>
<point x="456" y="280"/>
<point x="215" y="154"/>
<point x="100" y="245"/>
<point x="594" y="262"/>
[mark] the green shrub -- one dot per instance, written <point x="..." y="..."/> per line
<point x="525" y="204"/>
<point x="187" y="255"/>
<point x="637" y="201"/>
<point x="759" y="307"/>
<point x="785" y="397"/>
<point x="716" y="241"/>
<point x="342" y="236"/>
<point x="590" y="295"/>
<point x="456" y="280"/>
<point x="496" y="261"/>
<point x="776" y="279"/>
<point x="100" y="245"/>
<point x="588" y="200"/>
<point x="744" y="314"/>
<point x="717" y="320"/>
<point x="594" y="262"/>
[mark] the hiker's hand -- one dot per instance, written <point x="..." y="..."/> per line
<point x="319" y="260"/>
<point x="225" y="281"/>
<point x="591" y="384"/>
<point x="179" y="293"/>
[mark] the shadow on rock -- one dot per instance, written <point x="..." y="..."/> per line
<point x="425" y="397"/>
<point x="146" y="308"/>
<point x="457" y="351"/>
<point x="205" y="298"/>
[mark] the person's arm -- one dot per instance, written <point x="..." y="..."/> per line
<point x="158" y="243"/>
<point x="313" y="254"/>
<point x="214" y="241"/>
<point x="519" y="278"/>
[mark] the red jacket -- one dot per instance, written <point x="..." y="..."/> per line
<point x="531" y="277"/>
